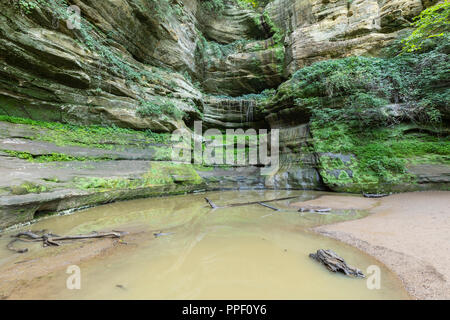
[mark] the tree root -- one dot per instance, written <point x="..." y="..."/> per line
<point x="49" y="239"/>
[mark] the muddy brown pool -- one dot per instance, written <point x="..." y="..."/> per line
<point x="248" y="252"/>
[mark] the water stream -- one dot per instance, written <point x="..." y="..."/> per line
<point x="248" y="252"/>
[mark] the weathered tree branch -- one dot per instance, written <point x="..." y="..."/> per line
<point x="214" y="206"/>
<point x="267" y="206"/>
<point x="334" y="263"/>
<point x="49" y="239"/>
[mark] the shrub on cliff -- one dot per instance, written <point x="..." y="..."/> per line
<point x="432" y="22"/>
<point x="364" y="91"/>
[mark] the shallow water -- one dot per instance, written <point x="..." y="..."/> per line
<point x="248" y="252"/>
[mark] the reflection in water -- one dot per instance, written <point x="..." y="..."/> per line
<point x="248" y="252"/>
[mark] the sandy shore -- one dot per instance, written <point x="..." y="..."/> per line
<point x="409" y="233"/>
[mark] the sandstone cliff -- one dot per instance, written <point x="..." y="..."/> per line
<point x="140" y="67"/>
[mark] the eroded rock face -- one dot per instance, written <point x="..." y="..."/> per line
<point x="326" y="29"/>
<point x="101" y="73"/>
<point x="129" y="53"/>
<point x="119" y="166"/>
<point x="240" y="67"/>
<point x="229" y="113"/>
<point x="230" y="25"/>
<point x="133" y="61"/>
<point x="298" y="164"/>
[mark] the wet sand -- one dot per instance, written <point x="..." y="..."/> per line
<point x="339" y="202"/>
<point x="409" y="233"/>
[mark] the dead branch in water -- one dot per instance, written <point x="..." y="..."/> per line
<point x="375" y="195"/>
<point x="11" y="247"/>
<point x="214" y="206"/>
<point x="267" y="206"/>
<point x="315" y="209"/>
<point x="49" y="239"/>
<point x="334" y="263"/>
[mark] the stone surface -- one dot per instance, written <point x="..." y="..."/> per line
<point x="298" y="166"/>
<point x="327" y="29"/>
<point x="131" y="54"/>
<point x="30" y="188"/>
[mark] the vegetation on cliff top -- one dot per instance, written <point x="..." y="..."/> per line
<point x="359" y="106"/>
<point x="432" y="22"/>
<point x="381" y="115"/>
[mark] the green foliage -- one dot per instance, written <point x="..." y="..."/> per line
<point x="159" y="107"/>
<point x="277" y="33"/>
<point x="432" y="22"/>
<point x="27" y="6"/>
<point x="214" y="6"/>
<point x="51" y="157"/>
<point x="356" y="90"/>
<point x="217" y="6"/>
<point x="379" y="155"/>
<point x="248" y="4"/>
<point x="359" y="107"/>
<point x="159" y="174"/>
<point x="28" y="187"/>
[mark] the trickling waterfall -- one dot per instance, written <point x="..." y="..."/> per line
<point x="249" y="116"/>
<point x="240" y="110"/>
<point x="230" y="112"/>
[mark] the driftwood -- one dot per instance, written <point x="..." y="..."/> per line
<point x="49" y="239"/>
<point x="335" y="263"/>
<point x="214" y="206"/>
<point x="314" y="209"/>
<point x="11" y="247"/>
<point x="373" y="195"/>
<point x="161" y="234"/>
<point x="267" y="206"/>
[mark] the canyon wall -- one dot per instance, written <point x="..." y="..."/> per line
<point x="132" y="60"/>
<point x="153" y="66"/>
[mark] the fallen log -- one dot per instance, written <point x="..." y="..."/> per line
<point x="334" y="263"/>
<point x="49" y="239"/>
<point x="214" y="206"/>
<point x="267" y="206"/>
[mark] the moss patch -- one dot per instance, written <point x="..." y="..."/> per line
<point x="51" y="157"/>
<point x="159" y="174"/>
<point x="376" y="158"/>
<point x="89" y="136"/>
<point x="28" y="187"/>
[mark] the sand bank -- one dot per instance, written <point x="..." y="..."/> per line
<point x="409" y="233"/>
